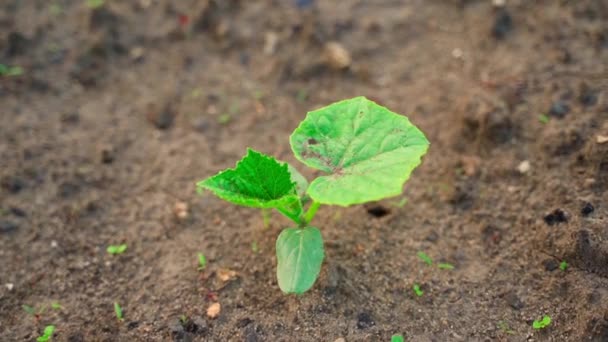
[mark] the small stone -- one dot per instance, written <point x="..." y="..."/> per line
<point x="107" y="154"/>
<point x="550" y="265"/>
<point x="340" y="339"/>
<point x="54" y="244"/>
<point x="214" y="310"/>
<point x="470" y="165"/>
<point x="336" y="56"/>
<point x="457" y="53"/>
<point x="181" y="210"/>
<point x="601" y="139"/>
<point x="523" y="167"/>
<point x="499" y="3"/>
<point x="7" y="226"/>
<point x="559" y="109"/>
<point x="136" y="53"/>
<point x="225" y="274"/>
<point x="587" y="209"/>
<point x="514" y="301"/>
<point x="364" y="321"/>
<point x="162" y="119"/>
<point x="177" y="329"/>
<point x="9" y="286"/>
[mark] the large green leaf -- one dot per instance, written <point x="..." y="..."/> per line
<point x="299" y="255"/>
<point x="258" y="181"/>
<point x="368" y="151"/>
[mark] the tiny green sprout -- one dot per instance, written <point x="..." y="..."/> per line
<point x="202" y="261"/>
<point x="425" y="258"/>
<point x="47" y="334"/>
<point x="505" y="327"/>
<point x="417" y="290"/>
<point x="95" y="3"/>
<point x="29" y="309"/>
<point x="397" y="338"/>
<point x="254" y="247"/>
<point x="116" y="249"/>
<point x="563" y="265"/>
<point x="224" y="119"/>
<point x="183" y="319"/>
<point x="118" y="311"/>
<point x="445" y="266"/>
<point x="366" y="153"/>
<point x="543" y="118"/>
<point x="542" y="323"/>
<point x="6" y="70"/>
<point x="56" y="306"/>
<point x="400" y="203"/>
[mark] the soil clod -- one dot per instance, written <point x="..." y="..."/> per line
<point x="555" y="217"/>
<point x="514" y="301"/>
<point x="559" y="109"/>
<point x="364" y="321"/>
<point x="7" y="226"/>
<point x="587" y="209"/>
<point x="550" y="264"/>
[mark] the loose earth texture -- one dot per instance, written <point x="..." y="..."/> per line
<point x="118" y="110"/>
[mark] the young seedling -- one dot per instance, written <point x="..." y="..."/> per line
<point x="47" y="334"/>
<point x="417" y="290"/>
<point x="29" y="309"/>
<point x="397" y="338"/>
<point x="116" y="249"/>
<point x="118" y="311"/>
<point x="6" y="70"/>
<point x="56" y="306"/>
<point x="541" y="323"/>
<point x="505" y="327"/>
<point x="544" y="119"/>
<point x="202" y="261"/>
<point x="254" y="247"/>
<point x="366" y="152"/>
<point x="425" y="258"/>
<point x="445" y="266"/>
<point x="563" y="265"/>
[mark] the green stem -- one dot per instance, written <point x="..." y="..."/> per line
<point x="266" y="217"/>
<point x="310" y="214"/>
<point x="289" y="215"/>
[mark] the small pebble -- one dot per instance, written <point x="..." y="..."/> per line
<point x="181" y="210"/>
<point x="557" y="216"/>
<point x="551" y="264"/>
<point x="340" y="339"/>
<point x="336" y="56"/>
<point x="587" y="209"/>
<point x="54" y="244"/>
<point x="364" y="321"/>
<point x="214" y="310"/>
<point x="601" y="139"/>
<point x="9" y="286"/>
<point x="523" y="167"/>
<point x="457" y="53"/>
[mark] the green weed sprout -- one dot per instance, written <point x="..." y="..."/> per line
<point x="202" y="261"/>
<point x="542" y="323"/>
<point x="116" y="249"/>
<point x="397" y="338"/>
<point x="543" y="118"/>
<point x="47" y="334"/>
<point x="445" y="266"/>
<point x="6" y="70"/>
<point x="118" y="311"/>
<point x="505" y="327"/>
<point x="425" y="258"/>
<point x="563" y="265"/>
<point x="366" y="152"/>
<point x="417" y="290"/>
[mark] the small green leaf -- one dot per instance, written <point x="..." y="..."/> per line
<point x="258" y="181"/>
<point x="563" y="265"/>
<point x="445" y="266"/>
<point x="95" y="3"/>
<point x="116" y="249"/>
<point x="542" y="323"/>
<point x="29" y="309"/>
<point x="417" y="290"/>
<point x="368" y="151"/>
<point x="47" y="335"/>
<point x="544" y="119"/>
<point x="202" y="261"/>
<point x="254" y="247"/>
<point x="56" y="306"/>
<point x="425" y="258"/>
<point x="296" y="177"/>
<point x="397" y="338"/>
<point x="299" y="256"/>
<point x="118" y="311"/>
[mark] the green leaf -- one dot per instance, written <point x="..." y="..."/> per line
<point x="118" y="311"/>
<point x="445" y="266"/>
<point x="425" y="258"/>
<point x="29" y="309"/>
<point x="563" y="265"/>
<point x="258" y="181"/>
<point x="299" y="256"/>
<point x="299" y="179"/>
<point x="542" y="323"/>
<point x="397" y="338"/>
<point x="368" y="151"/>
<point x="48" y="333"/>
<point x="202" y="261"/>
<point x="116" y="249"/>
<point x="417" y="290"/>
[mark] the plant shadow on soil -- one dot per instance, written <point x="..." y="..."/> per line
<point x="120" y="109"/>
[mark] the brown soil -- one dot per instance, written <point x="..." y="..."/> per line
<point x="121" y="109"/>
